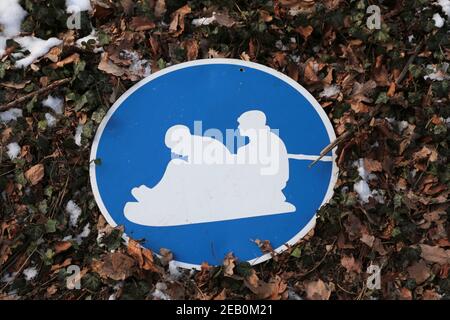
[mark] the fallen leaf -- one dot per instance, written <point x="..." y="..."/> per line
<point x="128" y="6"/>
<point x="160" y="8"/>
<point x="116" y="266"/>
<point x="224" y="20"/>
<point x="391" y="90"/>
<point x="311" y="69"/>
<point x="362" y="91"/>
<point x="108" y="66"/>
<point x="62" y="246"/>
<point x="141" y="24"/>
<point x="372" y="165"/>
<point x="166" y="256"/>
<point x="143" y="256"/>
<point x="435" y="254"/>
<point x="191" y="47"/>
<point x="74" y="58"/>
<point x="317" y="290"/>
<point x="431" y="295"/>
<point x="176" y="26"/>
<point x="265" y="290"/>
<point x="15" y="85"/>
<point x="350" y="264"/>
<point x="35" y="174"/>
<point x="305" y="32"/>
<point x="405" y="294"/>
<point x="229" y="264"/>
<point x="419" y="271"/>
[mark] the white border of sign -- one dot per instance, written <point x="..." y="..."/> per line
<point x="236" y="62"/>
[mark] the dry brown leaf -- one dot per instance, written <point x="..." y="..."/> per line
<point x="391" y="90"/>
<point x="53" y="54"/>
<point x="425" y="153"/>
<point x="229" y="265"/>
<point x="62" y="246"/>
<point x="380" y="73"/>
<point x="311" y="69"/>
<point x="317" y="290"/>
<point x="361" y="91"/>
<point x="74" y="58"/>
<point x="64" y="264"/>
<point x="35" y="174"/>
<point x="350" y="264"/>
<point x="265" y="290"/>
<point x="108" y="66"/>
<point x="15" y="85"/>
<point x="191" y="47"/>
<point x="141" y="24"/>
<point x="419" y="271"/>
<point x="166" y="256"/>
<point x="305" y="32"/>
<point x="372" y="165"/>
<point x="128" y="6"/>
<point x="431" y="295"/>
<point x="359" y="107"/>
<point x="405" y="294"/>
<point x="367" y="239"/>
<point x="116" y="266"/>
<point x="435" y="254"/>
<point x="160" y="8"/>
<point x="176" y="26"/>
<point x="143" y="256"/>
<point x="224" y="20"/>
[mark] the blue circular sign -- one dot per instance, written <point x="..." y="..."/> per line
<point x="206" y="157"/>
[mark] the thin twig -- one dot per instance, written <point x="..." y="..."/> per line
<point x="406" y="67"/>
<point x="18" y="101"/>
<point x="330" y="147"/>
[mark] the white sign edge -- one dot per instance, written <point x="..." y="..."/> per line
<point x="323" y="116"/>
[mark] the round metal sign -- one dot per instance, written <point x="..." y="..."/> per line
<point x="206" y="157"/>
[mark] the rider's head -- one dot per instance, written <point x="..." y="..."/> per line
<point x="251" y="120"/>
<point x="177" y="139"/>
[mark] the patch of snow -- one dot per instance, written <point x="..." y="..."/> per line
<point x="292" y="295"/>
<point x="51" y="120"/>
<point x="330" y="91"/>
<point x="280" y="46"/>
<point x="363" y="190"/>
<point x="445" y="4"/>
<point x="74" y="212"/>
<point x="78" y="132"/>
<point x="438" y="20"/>
<point x="175" y="274"/>
<point x="54" y="103"/>
<point x="91" y="36"/>
<point x="10" y="115"/>
<point x="295" y="58"/>
<point x="159" y="293"/>
<point x="116" y="288"/>
<point x="204" y="21"/>
<point x="437" y="74"/>
<point x="8" y="277"/>
<point x="37" y="48"/>
<point x="11" y="17"/>
<point x="399" y="125"/>
<point x="75" y="6"/>
<point x="362" y="187"/>
<point x="138" y="67"/>
<point x="30" y="273"/>
<point x="13" y="150"/>
<point x="84" y="234"/>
